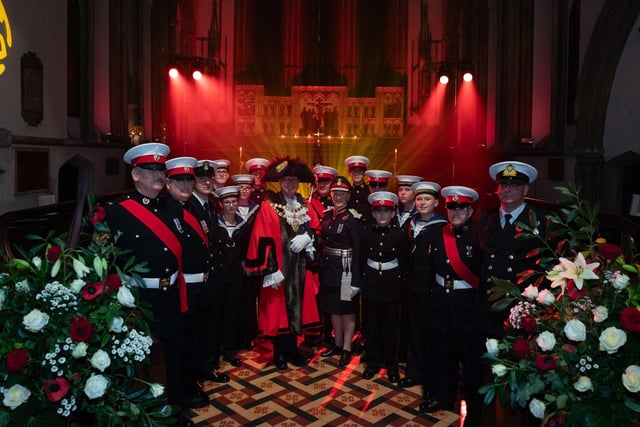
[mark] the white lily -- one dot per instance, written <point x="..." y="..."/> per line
<point x="579" y="270"/>
<point x="80" y="269"/>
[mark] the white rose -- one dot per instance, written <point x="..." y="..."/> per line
<point x="583" y="384"/>
<point x="77" y="285"/>
<point x="37" y="262"/>
<point x="531" y="292"/>
<point x="631" y="378"/>
<point x="15" y="396"/>
<point x="575" y="330"/>
<point x="600" y="314"/>
<point x="116" y="324"/>
<point x="537" y="408"/>
<point x="611" y="339"/>
<point x="22" y="286"/>
<point x="95" y="386"/>
<point x="620" y="280"/>
<point x="546" y="341"/>
<point x="545" y="297"/>
<point x="499" y="370"/>
<point x="35" y="320"/>
<point x="3" y="296"/>
<point x="100" y="360"/>
<point x="492" y="346"/>
<point x="125" y="297"/>
<point x="79" y="350"/>
<point x="156" y="389"/>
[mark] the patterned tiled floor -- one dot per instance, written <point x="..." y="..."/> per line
<point x="321" y="394"/>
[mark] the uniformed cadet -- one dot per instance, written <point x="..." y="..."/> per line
<point x="340" y="274"/>
<point x="200" y="204"/>
<point x="229" y="248"/>
<point x="257" y="167"/>
<point x="378" y="180"/>
<point x="406" y="197"/>
<point x="421" y="229"/>
<point x="357" y="165"/>
<point x="196" y="267"/>
<point x="221" y="176"/>
<point x="385" y="249"/>
<point x="454" y="310"/>
<point x="504" y="255"/>
<point x="248" y="317"/>
<point x="150" y="224"/>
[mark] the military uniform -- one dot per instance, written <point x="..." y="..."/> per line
<point x="385" y="254"/>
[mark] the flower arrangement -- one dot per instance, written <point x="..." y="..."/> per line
<point x="73" y="336"/>
<point x="571" y="352"/>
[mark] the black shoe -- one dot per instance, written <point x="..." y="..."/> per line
<point x="407" y="382"/>
<point x="298" y="359"/>
<point x="393" y="375"/>
<point x="234" y="361"/>
<point x="332" y="351"/>
<point x="198" y="399"/>
<point x="430" y="405"/>
<point x="345" y="358"/>
<point x="248" y="345"/>
<point x="215" y="376"/>
<point x="280" y="362"/>
<point x="182" y="421"/>
<point x="369" y="372"/>
<point x="357" y="347"/>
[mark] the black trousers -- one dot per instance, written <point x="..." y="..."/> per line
<point x="417" y="333"/>
<point x="381" y="329"/>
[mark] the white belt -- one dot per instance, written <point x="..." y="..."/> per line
<point x="457" y="284"/>
<point x="195" y="277"/>
<point x="382" y="266"/>
<point x="155" y="282"/>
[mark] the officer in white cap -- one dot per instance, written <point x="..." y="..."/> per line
<point x="386" y="249"/>
<point x="321" y="197"/>
<point x="221" y="176"/>
<point x="455" y="265"/>
<point x="504" y="255"/>
<point x="421" y="227"/>
<point x="257" y="167"/>
<point x="357" y="165"/>
<point x="406" y="197"/>
<point x="150" y="226"/>
<point x="378" y="180"/>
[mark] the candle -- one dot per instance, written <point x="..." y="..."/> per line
<point x="241" y="163"/>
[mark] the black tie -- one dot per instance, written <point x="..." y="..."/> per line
<point x="205" y="205"/>
<point x="507" y="221"/>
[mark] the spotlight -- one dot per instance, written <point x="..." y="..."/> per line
<point x="467" y="72"/>
<point x="197" y="70"/>
<point x="173" y="72"/>
<point x="443" y="74"/>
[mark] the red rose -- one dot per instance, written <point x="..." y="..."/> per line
<point x="17" y="359"/>
<point x="56" y="389"/>
<point x="113" y="282"/>
<point x="544" y="362"/>
<point x="521" y="348"/>
<point x="569" y="348"/>
<point x="555" y="421"/>
<point x="92" y="291"/>
<point x="573" y="291"/>
<point x="609" y="251"/>
<point x="630" y="319"/>
<point x="80" y="329"/>
<point x="529" y="324"/>
<point x="98" y="215"/>
<point x="53" y="253"/>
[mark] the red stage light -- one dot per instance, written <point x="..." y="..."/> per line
<point x="197" y="75"/>
<point x="444" y="80"/>
<point x="196" y="70"/>
<point x="173" y="72"/>
<point x="467" y="77"/>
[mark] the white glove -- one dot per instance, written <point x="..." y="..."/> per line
<point x="354" y="291"/>
<point x="273" y="280"/>
<point x="300" y="242"/>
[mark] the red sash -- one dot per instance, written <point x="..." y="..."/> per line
<point x="458" y="266"/>
<point x="165" y="234"/>
<point x="193" y="222"/>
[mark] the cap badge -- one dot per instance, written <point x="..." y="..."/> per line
<point x="156" y="156"/>
<point x="205" y="165"/>
<point x="510" y="171"/>
<point x="455" y="198"/>
<point x="339" y="182"/>
<point x="281" y="166"/>
<point x="186" y="169"/>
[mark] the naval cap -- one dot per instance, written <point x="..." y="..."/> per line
<point x="382" y="199"/>
<point x="181" y="167"/>
<point x="256" y="163"/>
<point x="432" y="188"/>
<point x="356" y="162"/>
<point x="150" y="155"/>
<point x="375" y="175"/>
<point x="227" y="191"/>
<point x="512" y="172"/>
<point x="324" y="172"/>
<point x="456" y="195"/>
<point x="408" y="180"/>
<point x="243" y="178"/>
<point x="340" y="183"/>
